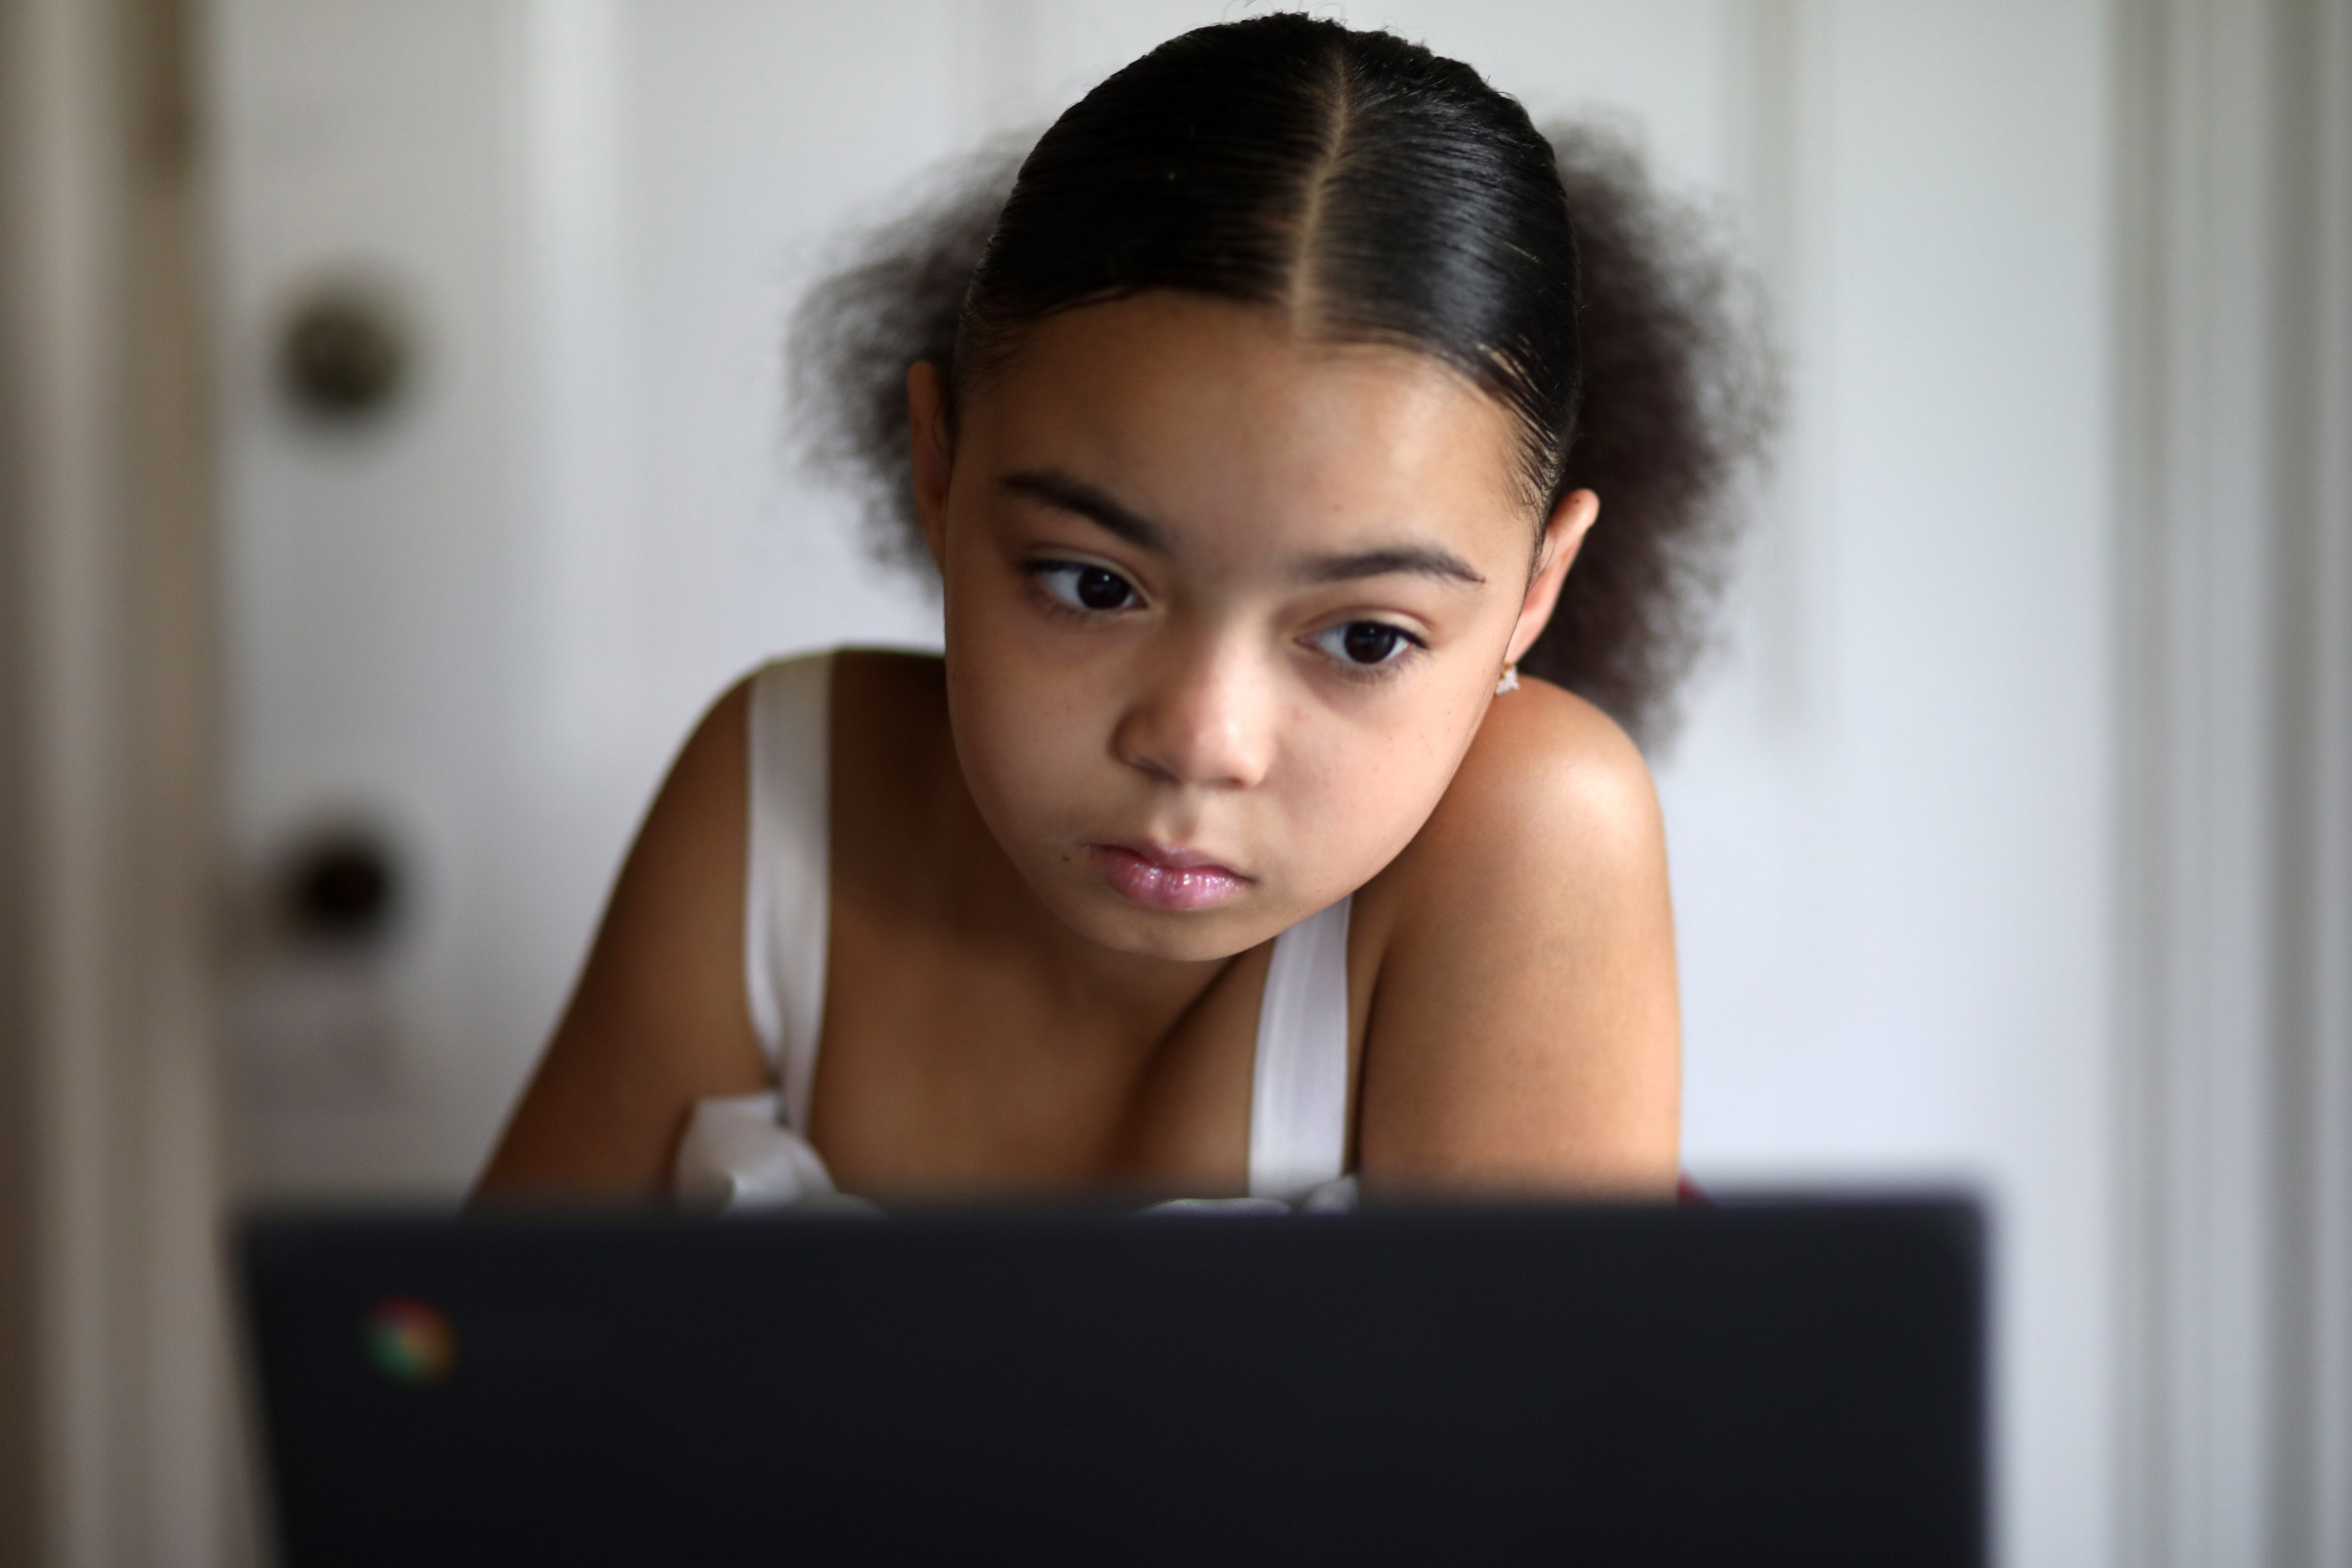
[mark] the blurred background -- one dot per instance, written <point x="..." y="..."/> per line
<point x="395" y="461"/>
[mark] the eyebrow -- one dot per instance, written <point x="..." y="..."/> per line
<point x="1064" y="493"/>
<point x="1420" y="559"/>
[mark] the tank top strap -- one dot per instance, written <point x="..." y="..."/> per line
<point x="1298" y="1093"/>
<point x="787" y="873"/>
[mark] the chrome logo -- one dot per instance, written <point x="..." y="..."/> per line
<point x="408" y="1342"/>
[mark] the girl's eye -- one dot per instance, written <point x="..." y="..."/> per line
<point x="1366" y="643"/>
<point x="1085" y="587"/>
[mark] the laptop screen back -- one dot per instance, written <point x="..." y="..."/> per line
<point x="1766" y="1383"/>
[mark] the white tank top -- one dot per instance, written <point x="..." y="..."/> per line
<point x="752" y="1151"/>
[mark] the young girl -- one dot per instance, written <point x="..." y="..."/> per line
<point x="1233" y="847"/>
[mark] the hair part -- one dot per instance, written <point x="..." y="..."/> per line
<point x="1373" y="192"/>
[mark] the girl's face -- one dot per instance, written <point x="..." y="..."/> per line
<point x="1224" y="608"/>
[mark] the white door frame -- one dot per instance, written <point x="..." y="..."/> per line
<point x="2234" y="392"/>
<point x="127" y="1449"/>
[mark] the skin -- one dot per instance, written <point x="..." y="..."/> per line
<point x="1156" y="528"/>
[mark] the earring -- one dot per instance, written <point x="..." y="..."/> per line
<point x="1510" y="681"/>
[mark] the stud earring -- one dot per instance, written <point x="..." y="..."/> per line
<point x="1510" y="681"/>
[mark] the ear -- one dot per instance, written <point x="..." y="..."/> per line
<point x="1564" y="534"/>
<point x="932" y="454"/>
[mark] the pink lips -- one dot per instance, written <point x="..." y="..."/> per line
<point x="1161" y="878"/>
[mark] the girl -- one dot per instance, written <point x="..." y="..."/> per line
<point x="1235" y="846"/>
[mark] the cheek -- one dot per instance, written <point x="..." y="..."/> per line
<point x="1025" y="723"/>
<point x="1362" y="791"/>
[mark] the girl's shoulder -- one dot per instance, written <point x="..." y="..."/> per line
<point x="1520" y="1017"/>
<point x="1552" y="799"/>
<point x="913" y="669"/>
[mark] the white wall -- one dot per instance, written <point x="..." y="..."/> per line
<point x="488" y="622"/>
<point x="1892" y="819"/>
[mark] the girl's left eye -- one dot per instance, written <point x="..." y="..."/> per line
<point x="1366" y="643"/>
<point x="1085" y="587"/>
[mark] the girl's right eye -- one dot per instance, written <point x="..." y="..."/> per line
<point x="1085" y="587"/>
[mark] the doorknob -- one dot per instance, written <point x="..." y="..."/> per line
<point x="342" y="889"/>
<point x="346" y="354"/>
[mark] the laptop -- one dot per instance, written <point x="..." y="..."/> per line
<point x="1739" y="1384"/>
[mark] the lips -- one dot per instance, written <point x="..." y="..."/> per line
<point x="1162" y="877"/>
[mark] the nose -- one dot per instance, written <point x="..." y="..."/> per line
<point x="1202" y="716"/>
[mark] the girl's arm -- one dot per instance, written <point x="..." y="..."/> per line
<point x="658" y="1020"/>
<point x="1523" y="1033"/>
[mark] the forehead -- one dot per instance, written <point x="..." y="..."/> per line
<point x="1218" y="417"/>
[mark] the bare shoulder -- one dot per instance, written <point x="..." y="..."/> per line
<point x="658" y="1018"/>
<point x="1523" y="1029"/>
<point x="907" y="672"/>
<point x="1551" y="783"/>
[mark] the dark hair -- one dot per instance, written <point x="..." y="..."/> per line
<point x="1382" y="194"/>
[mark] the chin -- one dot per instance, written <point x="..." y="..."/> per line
<point x="1204" y="937"/>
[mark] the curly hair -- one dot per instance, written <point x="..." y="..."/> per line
<point x="1636" y="363"/>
